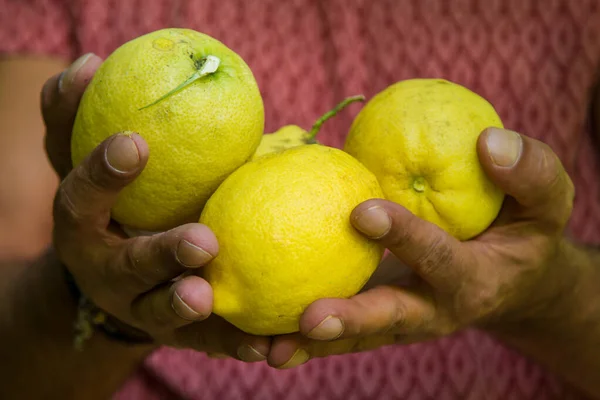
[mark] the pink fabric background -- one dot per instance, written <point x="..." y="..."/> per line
<point x="535" y="60"/>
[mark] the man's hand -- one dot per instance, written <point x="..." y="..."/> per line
<point x="150" y="283"/>
<point x="510" y="273"/>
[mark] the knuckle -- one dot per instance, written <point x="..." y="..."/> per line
<point x="150" y="312"/>
<point x="399" y="237"/>
<point x="95" y="176"/>
<point x="160" y="312"/>
<point x="472" y="305"/>
<point x="550" y="171"/>
<point x="134" y="270"/>
<point x="444" y="329"/>
<point x="568" y="199"/>
<point x="64" y="208"/>
<point x="398" y="318"/>
<point x="558" y="189"/>
<point x="436" y="255"/>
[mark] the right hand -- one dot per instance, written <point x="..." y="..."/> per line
<point x="131" y="279"/>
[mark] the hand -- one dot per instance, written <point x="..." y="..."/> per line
<point x="149" y="283"/>
<point x="509" y="274"/>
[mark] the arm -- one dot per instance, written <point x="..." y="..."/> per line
<point x="36" y="310"/>
<point x="568" y="341"/>
<point x="131" y="279"/>
<point x="566" y="338"/>
<point x="36" y="329"/>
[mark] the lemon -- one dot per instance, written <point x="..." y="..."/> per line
<point x="419" y="138"/>
<point x="197" y="105"/>
<point x="285" y="238"/>
<point x="290" y="136"/>
<point x="285" y="137"/>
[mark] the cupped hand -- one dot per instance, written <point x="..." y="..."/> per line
<point x="509" y="274"/>
<point x="151" y="283"/>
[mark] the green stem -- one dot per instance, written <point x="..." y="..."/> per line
<point x="315" y="128"/>
<point x="208" y="66"/>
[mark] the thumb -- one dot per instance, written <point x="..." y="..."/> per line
<point x="87" y="194"/>
<point x="528" y="171"/>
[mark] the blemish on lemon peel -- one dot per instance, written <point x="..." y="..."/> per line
<point x="163" y="44"/>
<point x="205" y="65"/>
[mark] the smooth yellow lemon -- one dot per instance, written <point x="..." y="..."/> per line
<point x="193" y="100"/>
<point x="419" y="138"/>
<point x="285" y="238"/>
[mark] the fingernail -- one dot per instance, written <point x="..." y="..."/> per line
<point x="250" y="354"/>
<point x="190" y="255"/>
<point x="183" y="310"/>
<point x="373" y="222"/>
<point x="504" y="146"/>
<point x="329" y="329"/>
<point x="122" y="154"/>
<point x="300" y="357"/>
<point x="68" y="75"/>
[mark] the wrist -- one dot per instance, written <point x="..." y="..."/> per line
<point x="36" y="328"/>
<point x="91" y="318"/>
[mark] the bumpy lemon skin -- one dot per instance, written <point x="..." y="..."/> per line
<point x="419" y="138"/>
<point x="197" y="136"/>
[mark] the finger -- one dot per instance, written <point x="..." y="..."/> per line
<point x="288" y="351"/>
<point x="382" y="310"/>
<point x="428" y="250"/>
<point x="215" y="335"/>
<point x="528" y="171"/>
<point x="147" y="261"/>
<point x="293" y="350"/>
<point x="87" y="194"/>
<point x="173" y="305"/>
<point x="60" y="98"/>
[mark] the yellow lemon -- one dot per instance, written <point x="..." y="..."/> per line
<point x="290" y="136"/>
<point x="419" y="138"/>
<point x="285" y="238"/>
<point x="193" y="100"/>
<point x="284" y="138"/>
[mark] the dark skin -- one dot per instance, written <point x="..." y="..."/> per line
<point x="521" y="280"/>
<point x="129" y="278"/>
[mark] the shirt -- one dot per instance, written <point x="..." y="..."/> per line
<point x="534" y="60"/>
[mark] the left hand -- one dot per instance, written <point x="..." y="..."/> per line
<point x="510" y="273"/>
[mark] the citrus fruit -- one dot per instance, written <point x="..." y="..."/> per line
<point x="285" y="238"/>
<point x="197" y="105"/>
<point x="290" y="136"/>
<point x="419" y="138"/>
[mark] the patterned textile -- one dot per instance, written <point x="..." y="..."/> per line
<point x="535" y="60"/>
